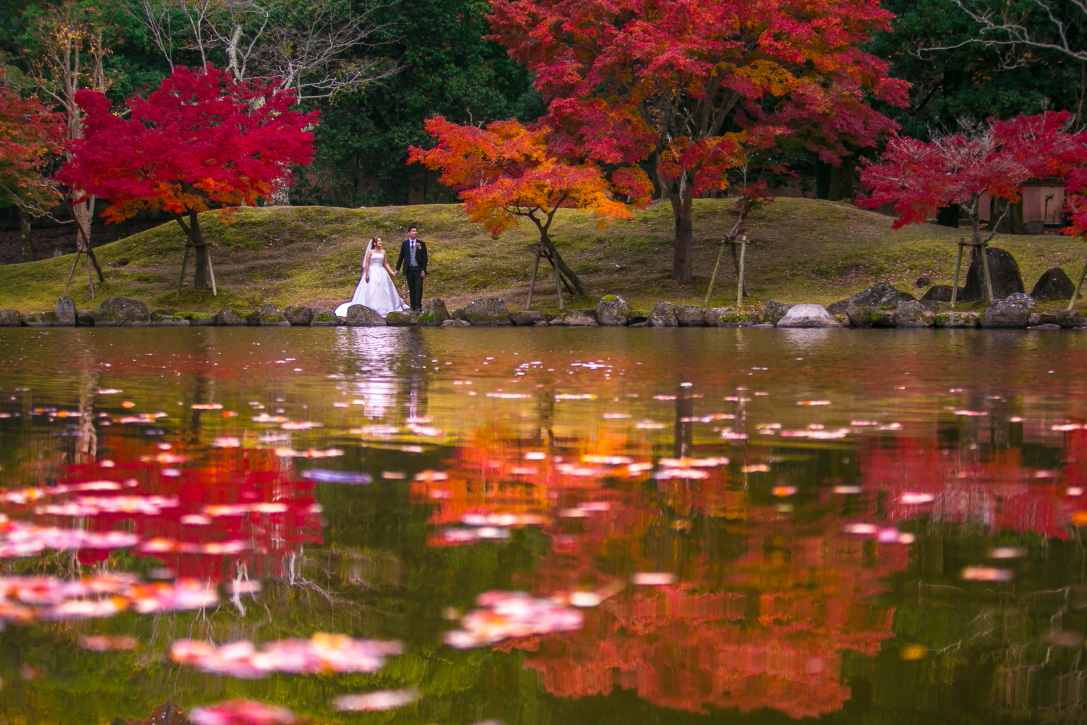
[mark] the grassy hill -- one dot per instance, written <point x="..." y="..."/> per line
<point x="800" y="250"/>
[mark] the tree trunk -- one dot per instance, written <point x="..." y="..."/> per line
<point x="835" y="182"/>
<point x="200" y="248"/>
<point x="682" y="269"/>
<point x="82" y="215"/>
<point x="1012" y="221"/>
<point x="25" y="236"/>
<point x="545" y="239"/>
<point x="948" y="216"/>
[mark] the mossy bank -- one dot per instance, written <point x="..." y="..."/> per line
<point x="800" y="250"/>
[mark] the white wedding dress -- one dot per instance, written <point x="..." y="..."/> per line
<point x="379" y="294"/>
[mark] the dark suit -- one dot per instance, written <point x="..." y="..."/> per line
<point x="414" y="273"/>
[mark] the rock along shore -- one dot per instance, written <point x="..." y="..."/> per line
<point x="880" y="306"/>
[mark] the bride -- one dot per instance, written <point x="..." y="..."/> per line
<point x="376" y="289"/>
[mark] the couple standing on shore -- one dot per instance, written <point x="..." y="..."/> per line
<point x="376" y="289"/>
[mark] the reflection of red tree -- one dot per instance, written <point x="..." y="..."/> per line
<point x="216" y="477"/>
<point x="763" y="628"/>
<point x="997" y="491"/>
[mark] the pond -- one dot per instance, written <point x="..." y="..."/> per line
<point x="546" y="525"/>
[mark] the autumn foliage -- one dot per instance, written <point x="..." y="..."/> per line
<point x="697" y="85"/>
<point x="994" y="160"/>
<point x="201" y="141"/>
<point x="30" y="135"/>
<point x="506" y="171"/>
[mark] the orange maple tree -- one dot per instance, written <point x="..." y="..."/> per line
<point x="507" y="171"/>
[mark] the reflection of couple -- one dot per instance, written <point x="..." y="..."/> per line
<point x="376" y="289"/>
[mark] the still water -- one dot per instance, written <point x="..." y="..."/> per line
<point x="543" y="525"/>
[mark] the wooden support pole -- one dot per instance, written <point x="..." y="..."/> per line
<point x="184" y="263"/>
<point x="713" y="277"/>
<point x="740" y="276"/>
<point x="958" y="266"/>
<point x="1079" y="285"/>
<point x="558" y="282"/>
<point x="71" y="274"/>
<point x="90" y="277"/>
<point x="211" y="271"/>
<point x="985" y="269"/>
<point x="532" y="282"/>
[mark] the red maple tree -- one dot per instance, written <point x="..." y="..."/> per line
<point x="201" y="141"/>
<point x="994" y="159"/>
<point x="506" y="171"/>
<point x="695" y="85"/>
<point x="30" y="136"/>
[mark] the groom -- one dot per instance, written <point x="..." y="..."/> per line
<point x="413" y="251"/>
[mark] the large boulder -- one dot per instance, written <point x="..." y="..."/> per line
<point x="363" y="316"/>
<point x="878" y="295"/>
<point x="663" y="315"/>
<point x="402" y="318"/>
<point x="325" y="317"/>
<point x="122" y="312"/>
<point x="65" y="313"/>
<point x="298" y="316"/>
<point x="808" y="316"/>
<point x="691" y="316"/>
<point x="1013" y="311"/>
<point x="268" y="315"/>
<point x="487" y="313"/>
<point x="229" y="317"/>
<point x="527" y="318"/>
<point x="1002" y="268"/>
<point x="870" y="317"/>
<point x="774" y="311"/>
<point x="1054" y="284"/>
<point x="433" y="313"/>
<point x="912" y="313"/>
<point x="10" y="318"/>
<point x="612" y="311"/>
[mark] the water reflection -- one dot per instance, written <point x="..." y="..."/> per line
<point x="546" y="525"/>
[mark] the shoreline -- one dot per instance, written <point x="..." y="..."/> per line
<point x="1014" y="312"/>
